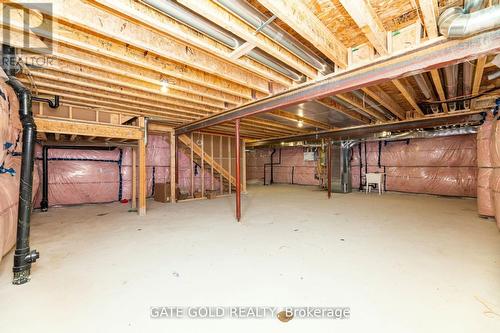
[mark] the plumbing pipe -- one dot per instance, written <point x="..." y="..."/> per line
<point x="44" y="203"/>
<point x="23" y="256"/>
<point x="52" y="104"/>
<point x="256" y="19"/>
<point x="238" y="171"/>
<point x="206" y="27"/>
<point x="457" y="22"/>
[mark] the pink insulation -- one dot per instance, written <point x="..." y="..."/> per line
<point x="449" y="151"/>
<point x="79" y="176"/>
<point x="10" y="134"/>
<point x="495" y="187"/>
<point x="484" y="136"/>
<point x="484" y="192"/>
<point x="495" y="144"/>
<point x="441" y="165"/>
<point x="292" y="169"/>
<point x="9" y="191"/>
<point x="76" y="182"/>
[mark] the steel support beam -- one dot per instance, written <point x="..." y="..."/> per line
<point x="436" y="53"/>
<point x="354" y="132"/>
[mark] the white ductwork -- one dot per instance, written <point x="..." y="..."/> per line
<point x="457" y="22"/>
<point x="426" y="90"/>
<point x="451" y="82"/>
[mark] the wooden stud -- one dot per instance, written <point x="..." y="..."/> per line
<point x="478" y="76"/>
<point x="408" y="95"/>
<point x="192" y="166"/>
<point x="142" y="172"/>
<point x="369" y="23"/>
<point x="173" y="163"/>
<point x="212" y="184"/>
<point x="430" y="11"/>
<point x="305" y="23"/>
<point x="134" y="178"/>
<point x="436" y="79"/>
<point x="380" y="96"/>
<point x="202" y="165"/>
<point x="221" y="180"/>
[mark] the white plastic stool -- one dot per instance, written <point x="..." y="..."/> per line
<point x="374" y="178"/>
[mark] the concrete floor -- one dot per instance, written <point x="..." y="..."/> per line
<point x="402" y="263"/>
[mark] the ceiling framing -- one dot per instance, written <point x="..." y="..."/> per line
<point x="115" y="56"/>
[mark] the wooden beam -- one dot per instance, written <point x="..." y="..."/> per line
<point x="161" y="23"/>
<point x="142" y="177"/>
<point x="84" y="128"/>
<point x="220" y="16"/>
<point x="380" y="96"/>
<point x="478" y="76"/>
<point x="408" y="94"/>
<point x="430" y="12"/>
<point x="77" y="62"/>
<point x="293" y="116"/>
<point x="76" y="45"/>
<point x="436" y="79"/>
<point x="354" y="101"/>
<point x="114" y="93"/>
<point x="114" y="83"/>
<point x="367" y="20"/>
<point x="305" y="23"/>
<point x="91" y="18"/>
<point x="173" y="157"/>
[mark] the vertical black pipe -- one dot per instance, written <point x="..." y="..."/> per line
<point x="44" y="204"/>
<point x="23" y="257"/>
<point x="271" y="181"/>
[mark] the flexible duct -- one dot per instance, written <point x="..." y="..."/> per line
<point x="451" y="81"/>
<point x="256" y="19"/>
<point x="457" y="22"/>
<point x="468" y="70"/>
<point x="204" y="26"/>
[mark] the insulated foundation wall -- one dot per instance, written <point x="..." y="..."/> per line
<point x="441" y="165"/>
<point x="10" y="164"/>
<point x="79" y="176"/>
<point x="292" y="168"/>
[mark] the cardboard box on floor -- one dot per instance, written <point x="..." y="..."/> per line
<point x="162" y="192"/>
